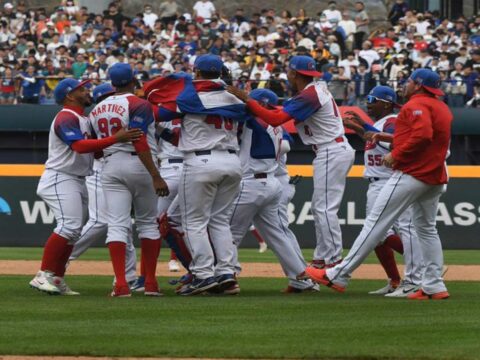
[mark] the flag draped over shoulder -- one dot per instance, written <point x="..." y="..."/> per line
<point x="180" y="93"/>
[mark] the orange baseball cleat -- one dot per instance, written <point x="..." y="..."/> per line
<point x="421" y="295"/>
<point x="320" y="276"/>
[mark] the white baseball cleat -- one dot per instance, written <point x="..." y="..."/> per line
<point x="262" y="247"/>
<point x="403" y="290"/>
<point x="44" y="281"/>
<point x="387" y="289"/>
<point x="173" y="266"/>
<point x="64" y="288"/>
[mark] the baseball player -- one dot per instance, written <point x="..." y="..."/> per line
<point x="211" y="176"/>
<point x="96" y="226"/>
<point x="170" y="161"/>
<point x="380" y="106"/>
<point x="260" y="195"/>
<point x="420" y="145"/>
<point x="62" y="184"/>
<point x="130" y="175"/>
<point x="319" y="124"/>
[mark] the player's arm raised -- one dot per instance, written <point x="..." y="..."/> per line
<point x="274" y="117"/>
<point x="140" y="118"/>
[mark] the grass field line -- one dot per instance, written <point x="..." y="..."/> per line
<point x="250" y="269"/>
<point x="23" y="357"/>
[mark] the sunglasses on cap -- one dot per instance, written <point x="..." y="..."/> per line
<point x="373" y="99"/>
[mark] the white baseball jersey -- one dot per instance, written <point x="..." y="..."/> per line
<point x="69" y="126"/>
<point x="167" y="150"/>
<point x="124" y="111"/>
<point x="207" y="132"/>
<point x="259" y="149"/>
<point x="374" y="153"/>
<point x="317" y="118"/>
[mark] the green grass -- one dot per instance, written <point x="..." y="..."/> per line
<point x="260" y="323"/>
<point x="452" y="257"/>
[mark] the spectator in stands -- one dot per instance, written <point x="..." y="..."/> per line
<point x="79" y="66"/>
<point x="7" y="87"/>
<point x="31" y="86"/>
<point x="470" y="79"/>
<point x="350" y="28"/>
<point x="361" y="20"/>
<point x="398" y="11"/>
<point x="203" y="10"/>
<point x="332" y="12"/>
<point x="456" y="90"/>
<point x="168" y="12"/>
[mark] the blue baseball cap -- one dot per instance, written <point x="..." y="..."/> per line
<point x="383" y="93"/>
<point x="212" y="63"/>
<point x="65" y="87"/>
<point x="102" y="90"/>
<point x="429" y="80"/>
<point x="304" y="65"/>
<point x="264" y="96"/>
<point x="121" y="74"/>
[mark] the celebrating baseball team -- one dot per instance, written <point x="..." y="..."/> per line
<point x="196" y="162"/>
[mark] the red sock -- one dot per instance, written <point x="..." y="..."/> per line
<point x="62" y="263"/>
<point x="142" y="265"/>
<point x="257" y="236"/>
<point x="387" y="260"/>
<point x="172" y="255"/>
<point x="395" y="242"/>
<point x="52" y="252"/>
<point x="117" y="254"/>
<point x="150" y="252"/>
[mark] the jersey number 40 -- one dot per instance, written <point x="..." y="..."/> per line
<point x="219" y="121"/>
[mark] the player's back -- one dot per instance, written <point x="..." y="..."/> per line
<point x="167" y="150"/>
<point x="123" y="111"/>
<point x="325" y="124"/>
<point x="259" y="149"/>
<point x="208" y="132"/>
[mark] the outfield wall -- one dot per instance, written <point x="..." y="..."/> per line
<point x="25" y="220"/>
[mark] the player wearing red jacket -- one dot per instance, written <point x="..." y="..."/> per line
<point x="420" y="145"/>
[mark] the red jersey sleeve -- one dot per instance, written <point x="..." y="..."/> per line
<point x="274" y="117"/>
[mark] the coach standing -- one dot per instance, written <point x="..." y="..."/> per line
<point x="420" y="146"/>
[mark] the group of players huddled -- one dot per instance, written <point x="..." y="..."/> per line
<point x="201" y="161"/>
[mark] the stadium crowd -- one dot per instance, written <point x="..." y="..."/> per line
<point x="353" y="51"/>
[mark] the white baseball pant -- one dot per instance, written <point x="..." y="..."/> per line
<point x="66" y="195"/>
<point x="96" y="228"/>
<point x="330" y="169"/>
<point x="207" y="189"/>
<point x="125" y="181"/>
<point x="403" y="226"/>
<point x="171" y="174"/>
<point x="400" y="192"/>
<point x="259" y="203"/>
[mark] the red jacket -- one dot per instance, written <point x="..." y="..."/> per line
<point x="422" y="139"/>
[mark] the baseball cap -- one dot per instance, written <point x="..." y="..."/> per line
<point x="8" y="5"/>
<point x="102" y="90"/>
<point x="304" y="65"/>
<point x="382" y="93"/>
<point x="265" y="96"/>
<point x="65" y="87"/>
<point x="208" y="62"/>
<point x="429" y="80"/>
<point x="121" y="74"/>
